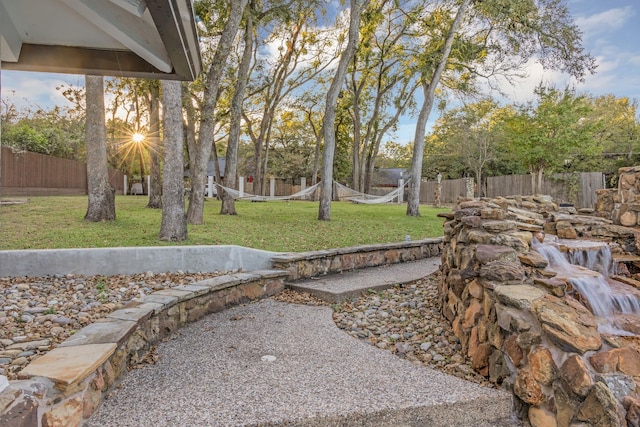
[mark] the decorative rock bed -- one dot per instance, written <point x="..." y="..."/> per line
<point x="66" y="385"/>
<point x="526" y="327"/>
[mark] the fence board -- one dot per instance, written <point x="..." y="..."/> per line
<point x="578" y="189"/>
<point x="34" y="174"/>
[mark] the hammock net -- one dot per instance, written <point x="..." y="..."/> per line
<point x="358" y="197"/>
<point x="344" y="193"/>
<point x="254" y="198"/>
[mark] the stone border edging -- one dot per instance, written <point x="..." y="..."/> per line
<point x="66" y="385"/>
<point x="304" y="265"/>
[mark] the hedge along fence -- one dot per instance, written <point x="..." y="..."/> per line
<point x="33" y="174"/>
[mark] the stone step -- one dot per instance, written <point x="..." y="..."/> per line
<point x="350" y="285"/>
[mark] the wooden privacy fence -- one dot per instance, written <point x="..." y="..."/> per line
<point x="34" y="174"/>
<point x="451" y="190"/>
<point x="578" y="189"/>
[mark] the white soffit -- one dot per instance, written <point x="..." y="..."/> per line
<point x="136" y="38"/>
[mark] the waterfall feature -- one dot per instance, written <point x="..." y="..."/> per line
<point x="588" y="272"/>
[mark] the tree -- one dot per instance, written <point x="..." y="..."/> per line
<point x="546" y="136"/>
<point x="101" y="193"/>
<point x="155" y="193"/>
<point x="429" y="88"/>
<point x="499" y="37"/>
<point x="380" y="88"/>
<point x="469" y="133"/>
<point x="291" y="150"/>
<point x="56" y="132"/>
<point x="199" y="158"/>
<point x="329" y="120"/>
<point x="231" y="166"/>
<point x="174" y="222"/>
<point x="395" y="155"/>
<point x="301" y="57"/>
<point x="616" y="129"/>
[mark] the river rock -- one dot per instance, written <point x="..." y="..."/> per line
<point x="541" y="417"/>
<point x="571" y="327"/>
<point x="498" y="226"/>
<point x="576" y="374"/>
<point x="533" y="259"/>
<point x="489" y="253"/>
<point x="527" y="388"/>
<point x="543" y="368"/>
<point x="600" y="408"/>
<point x="518" y="296"/>
<point x="625" y="360"/>
<point x="632" y="406"/>
<point x="501" y="271"/>
<point x="620" y="385"/>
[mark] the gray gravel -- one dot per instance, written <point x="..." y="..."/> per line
<point x="212" y="374"/>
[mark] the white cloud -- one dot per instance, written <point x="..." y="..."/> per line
<point x="609" y="20"/>
<point x="25" y="89"/>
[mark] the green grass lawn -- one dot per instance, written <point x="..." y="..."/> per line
<point x="57" y="222"/>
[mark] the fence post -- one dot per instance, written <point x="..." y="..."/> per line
<point x="400" y="190"/>
<point x="148" y="184"/>
<point x="272" y="187"/>
<point x="437" y="197"/>
<point x="241" y="185"/>
<point x="209" y="186"/>
<point x="469" y="184"/>
<point x="303" y="186"/>
<point x="125" y="187"/>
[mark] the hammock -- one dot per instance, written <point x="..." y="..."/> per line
<point x="358" y="197"/>
<point x="254" y="198"/>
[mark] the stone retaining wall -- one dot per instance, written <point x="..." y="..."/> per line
<point x="65" y="386"/>
<point x="523" y="326"/>
<point x="303" y="265"/>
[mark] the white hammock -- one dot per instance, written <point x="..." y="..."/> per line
<point x="358" y="197"/>
<point x="254" y="198"/>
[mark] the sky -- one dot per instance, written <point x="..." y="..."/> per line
<point x="610" y="33"/>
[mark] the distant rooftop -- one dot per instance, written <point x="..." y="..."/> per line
<point x="123" y="38"/>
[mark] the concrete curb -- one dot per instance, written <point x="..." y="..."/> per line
<point x="132" y="260"/>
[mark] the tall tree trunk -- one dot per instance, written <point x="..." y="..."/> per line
<point x="101" y="193"/>
<point x="329" y="120"/>
<point x="174" y="222"/>
<point x="429" y="89"/>
<point x="155" y="193"/>
<point x="200" y="163"/>
<point x="231" y="169"/>
<point x="539" y="176"/>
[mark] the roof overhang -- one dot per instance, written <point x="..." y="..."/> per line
<point x="124" y="38"/>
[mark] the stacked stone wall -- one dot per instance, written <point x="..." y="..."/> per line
<point x="523" y="326"/>
<point x="303" y="265"/>
<point x="622" y="205"/>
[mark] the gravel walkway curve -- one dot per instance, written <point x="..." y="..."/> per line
<point x="278" y="363"/>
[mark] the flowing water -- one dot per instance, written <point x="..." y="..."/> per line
<point x="588" y="272"/>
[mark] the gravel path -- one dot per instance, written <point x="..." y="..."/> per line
<point x="277" y="363"/>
